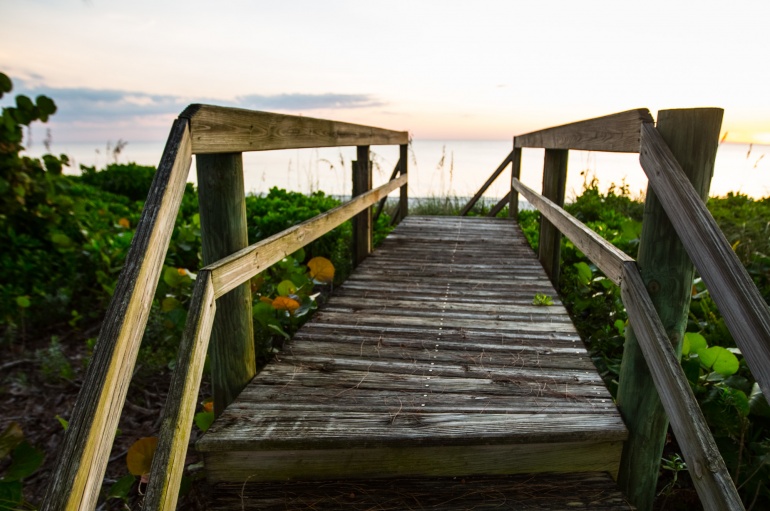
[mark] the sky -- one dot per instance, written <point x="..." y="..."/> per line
<point x="454" y="70"/>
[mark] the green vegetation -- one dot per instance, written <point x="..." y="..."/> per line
<point x="65" y="241"/>
<point x="731" y="401"/>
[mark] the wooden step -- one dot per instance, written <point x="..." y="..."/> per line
<point x="431" y="360"/>
<point x="595" y="491"/>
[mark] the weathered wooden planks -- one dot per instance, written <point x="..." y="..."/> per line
<point x="616" y="132"/>
<point x="217" y="129"/>
<point x="745" y="311"/>
<point x="429" y="360"/>
<point x="77" y="480"/>
<point x="606" y="256"/>
<point x="236" y="269"/>
<point x="704" y="461"/>
<point x="546" y="492"/>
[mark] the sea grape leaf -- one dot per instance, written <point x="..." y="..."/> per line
<point x="25" y="462"/>
<point x="693" y="342"/>
<point x="286" y="288"/>
<point x="585" y="275"/>
<point x="204" y="420"/>
<point x="285" y="303"/>
<point x="719" y="359"/>
<point x="321" y="269"/>
<point x="139" y="457"/>
<point x="122" y="487"/>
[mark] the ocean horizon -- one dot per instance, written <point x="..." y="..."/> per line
<point x="439" y="168"/>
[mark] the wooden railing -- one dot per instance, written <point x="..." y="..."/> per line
<point x="217" y="136"/>
<point x="671" y="195"/>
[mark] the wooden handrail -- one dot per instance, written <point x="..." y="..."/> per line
<point x="241" y="266"/>
<point x="77" y="478"/>
<point x="213" y="281"/>
<point x="606" y="256"/>
<point x="738" y="299"/>
<point x="179" y="411"/>
<point x="704" y="462"/>
<point x="218" y="129"/>
<point x="614" y="133"/>
<point x="82" y="460"/>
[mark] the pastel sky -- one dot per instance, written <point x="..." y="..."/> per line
<point x="441" y="70"/>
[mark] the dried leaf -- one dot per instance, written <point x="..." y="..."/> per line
<point x="321" y="269"/>
<point x="284" y="303"/>
<point x="10" y="438"/>
<point x="139" y="458"/>
<point x="123" y="222"/>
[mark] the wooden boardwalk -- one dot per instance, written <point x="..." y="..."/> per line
<point x="431" y="360"/>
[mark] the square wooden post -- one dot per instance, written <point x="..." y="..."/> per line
<point x="222" y="208"/>
<point x="362" y="222"/>
<point x="693" y="137"/>
<point x="554" y="185"/>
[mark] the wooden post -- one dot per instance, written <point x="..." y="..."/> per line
<point x="693" y="136"/>
<point x="403" y="205"/>
<point x="513" y="203"/>
<point x="223" y="231"/>
<point x="554" y="185"/>
<point x="362" y="222"/>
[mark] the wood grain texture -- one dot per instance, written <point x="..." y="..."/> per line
<point x="217" y="129"/>
<point x="497" y="208"/>
<point x="431" y="351"/>
<point x="554" y="185"/>
<point x="403" y="164"/>
<point x="693" y="136"/>
<point x="381" y="204"/>
<point x="82" y="460"/>
<point x="529" y="458"/>
<point x="499" y="170"/>
<point x="362" y="222"/>
<point x="745" y="312"/>
<point x="608" y="258"/>
<point x="513" y="207"/>
<point x="241" y="266"/>
<point x="546" y="492"/>
<point x="615" y="133"/>
<point x="222" y="205"/>
<point x="704" y="462"/>
<point x="169" y="459"/>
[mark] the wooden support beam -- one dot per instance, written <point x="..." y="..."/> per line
<point x="499" y="170"/>
<point x="607" y="257"/>
<point x="178" y="413"/>
<point x="693" y="136"/>
<point x="79" y="470"/>
<point x="217" y="129"/>
<point x="223" y="232"/>
<point x="500" y="205"/>
<point x="513" y="207"/>
<point x="554" y="185"/>
<point x="704" y="462"/>
<point x="615" y="133"/>
<point x="740" y="302"/>
<point x="381" y="204"/>
<point x="403" y="204"/>
<point x="362" y="222"/>
<point x="236" y="269"/>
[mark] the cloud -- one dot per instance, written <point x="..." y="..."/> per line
<point x="89" y="114"/>
<point x="88" y="105"/>
<point x="295" y="102"/>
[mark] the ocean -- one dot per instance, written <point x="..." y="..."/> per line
<point x="441" y="168"/>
